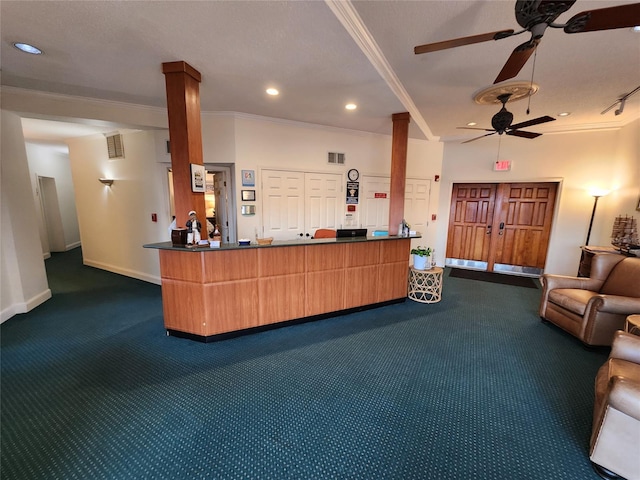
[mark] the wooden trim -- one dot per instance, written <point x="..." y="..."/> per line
<point x="210" y="293"/>
<point x="398" y="170"/>
<point x="185" y="135"/>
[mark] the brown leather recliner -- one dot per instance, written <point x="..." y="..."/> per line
<point x="615" y="437"/>
<point x="593" y="308"/>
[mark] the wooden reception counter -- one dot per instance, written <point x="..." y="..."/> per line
<point x="210" y="293"/>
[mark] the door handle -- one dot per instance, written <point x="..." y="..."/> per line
<point x="488" y="229"/>
<point x="501" y="228"/>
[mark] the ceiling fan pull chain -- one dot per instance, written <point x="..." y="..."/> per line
<point x="499" y="144"/>
<point x="535" y="54"/>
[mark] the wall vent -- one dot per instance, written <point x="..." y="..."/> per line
<point x="115" y="146"/>
<point x="335" y="158"/>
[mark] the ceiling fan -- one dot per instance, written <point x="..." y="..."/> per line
<point x="501" y="123"/>
<point x="535" y="16"/>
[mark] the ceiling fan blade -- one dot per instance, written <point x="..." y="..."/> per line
<point x="520" y="133"/>
<point x="621" y="16"/>
<point x="459" y="42"/>
<point x="516" y="61"/>
<point x="535" y="121"/>
<point x="472" y="128"/>
<point x="478" y="138"/>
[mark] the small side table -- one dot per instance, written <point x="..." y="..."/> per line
<point x="632" y="324"/>
<point x="425" y="286"/>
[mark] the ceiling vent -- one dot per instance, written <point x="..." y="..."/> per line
<point x="115" y="146"/>
<point x="335" y="158"/>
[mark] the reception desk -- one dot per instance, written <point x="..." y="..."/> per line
<point x="210" y="293"/>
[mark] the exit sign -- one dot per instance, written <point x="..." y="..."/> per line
<point x="502" y="165"/>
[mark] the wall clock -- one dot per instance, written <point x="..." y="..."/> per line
<point x="353" y="174"/>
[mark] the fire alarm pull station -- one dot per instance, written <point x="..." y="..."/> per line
<point x="351" y="208"/>
<point x="154" y="217"/>
<point x="433" y="217"/>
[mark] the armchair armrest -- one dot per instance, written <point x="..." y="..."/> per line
<point x="625" y="346"/>
<point x="551" y="282"/>
<point x="623" y="305"/>
<point x="615" y="304"/>
<point x="624" y="396"/>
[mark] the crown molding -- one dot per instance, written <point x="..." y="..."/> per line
<point x="353" y="24"/>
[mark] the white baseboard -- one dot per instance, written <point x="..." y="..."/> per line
<point x="24" y="307"/>
<point x="71" y="246"/>
<point x="124" y="271"/>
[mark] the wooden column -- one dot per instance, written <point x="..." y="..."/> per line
<point x="185" y="135"/>
<point x="398" y="169"/>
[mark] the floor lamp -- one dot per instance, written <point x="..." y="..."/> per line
<point x="596" y="196"/>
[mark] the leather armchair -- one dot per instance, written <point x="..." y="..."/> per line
<point x="593" y="308"/>
<point x="615" y="438"/>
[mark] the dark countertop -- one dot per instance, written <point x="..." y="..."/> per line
<point x="277" y="243"/>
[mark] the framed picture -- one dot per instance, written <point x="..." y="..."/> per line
<point x="248" y="195"/>
<point x="248" y="178"/>
<point x="198" y="177"/>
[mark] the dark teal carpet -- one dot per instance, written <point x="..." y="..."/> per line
<point x="474" y="387"/>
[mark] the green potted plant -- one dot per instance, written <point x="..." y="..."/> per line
<point x="420" y="257"/>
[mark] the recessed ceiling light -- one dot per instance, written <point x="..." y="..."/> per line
<point x="26" y="48"/>
<point x="471" y="124"/>
<point x="564" y="114"/>
<point x="350" y="106"/>
<point x="273" y="91"/>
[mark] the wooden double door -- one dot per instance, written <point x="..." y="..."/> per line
<point x="503" y="227"/>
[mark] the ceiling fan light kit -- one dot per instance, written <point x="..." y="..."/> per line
<point x="501" y="123"/>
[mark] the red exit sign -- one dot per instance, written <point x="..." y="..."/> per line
<point x="502" y="165"/>
<point x="380" y="195"/>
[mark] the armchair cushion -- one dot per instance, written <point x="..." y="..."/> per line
<point x="572" y="299"/>
<point x="621" y="280"/>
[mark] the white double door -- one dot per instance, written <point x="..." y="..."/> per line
<point x="375" y="192"/>
<point x="296" y="204"/>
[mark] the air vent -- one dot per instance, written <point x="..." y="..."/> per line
<point x="115" y="146"/>
<point x="335" y="158"/>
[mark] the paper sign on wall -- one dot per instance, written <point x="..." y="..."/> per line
<point x="352" y="192"/>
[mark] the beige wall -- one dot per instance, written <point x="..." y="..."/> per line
<point x="115" y="223"/>
<point x="22" y="274"/>
<point x="263" y="143"/>
<point x="579" y="161"/>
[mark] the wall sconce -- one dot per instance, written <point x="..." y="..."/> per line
<point x="596" y="194"/>
<point x="106" y="181"/>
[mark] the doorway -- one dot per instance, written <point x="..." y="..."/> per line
<point x="218" y="198"/>
<point x="501" y="227"/>
<point x="51" y="213"/>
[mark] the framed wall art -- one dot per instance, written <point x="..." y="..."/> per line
<point x="198" y="177"/>
<point x="248" y="178"/>
<point x="248" y="195"/>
